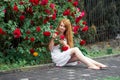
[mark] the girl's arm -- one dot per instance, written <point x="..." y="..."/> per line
<point x="51" y="44"/>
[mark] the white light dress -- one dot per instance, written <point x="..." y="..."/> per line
<point x="61" y="58"/>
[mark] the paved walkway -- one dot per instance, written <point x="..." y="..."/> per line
<point x="79" y="72"/>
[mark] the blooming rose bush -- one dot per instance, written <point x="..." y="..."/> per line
<point x="26" y="27"/>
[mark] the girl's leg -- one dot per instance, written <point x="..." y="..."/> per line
<point x="96" y="63"/>
<point x="73" y="59"/>
<point x="75" y="51"/>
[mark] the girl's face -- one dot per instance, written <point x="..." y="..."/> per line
<point x="61" y="27"/>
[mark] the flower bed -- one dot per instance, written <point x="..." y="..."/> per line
<point x="27" y="25"/>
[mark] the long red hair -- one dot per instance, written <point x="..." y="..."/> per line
<point x="68" y="33"/>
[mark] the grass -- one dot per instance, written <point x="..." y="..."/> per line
<point x="11" y="66"/>
<point x="21" y="64"/>
<point x="111" y="78"/>
<point x="100" y="53"/>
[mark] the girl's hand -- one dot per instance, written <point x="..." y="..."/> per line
<point x="64" y="43"/>
<point x="54" y="35"/>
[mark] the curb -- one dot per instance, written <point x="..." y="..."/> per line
<point x="110" y="55"/>
<point x="28" y="68"/>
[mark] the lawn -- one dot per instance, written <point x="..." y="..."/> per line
<point x="111" y="78"/>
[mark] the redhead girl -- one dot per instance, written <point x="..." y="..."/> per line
<point x="72" y="54"/>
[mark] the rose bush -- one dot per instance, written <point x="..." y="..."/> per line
<point x="26" y="27"/>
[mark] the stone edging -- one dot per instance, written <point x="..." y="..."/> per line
<point x="28" y="68"/>
<point x="112" y="55"/>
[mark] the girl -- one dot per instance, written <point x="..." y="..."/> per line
<point x="73" y="53"/>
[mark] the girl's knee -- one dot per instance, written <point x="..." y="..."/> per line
<point x="76" y="48"/>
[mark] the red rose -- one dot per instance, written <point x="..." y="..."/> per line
<point x="38" y="29"/>
<point x="28" y="32"/>
<point x="17" y="33"/>
<point x="32" y="39"/>
<point x="62" y="37"/>
<point x="46" y="33"/>
<point x="46" y="20"/>
<point x="21" y="2"/>
<point x="29" y="10"/>
<point x="82" y="42"/>
<point x="85" y="28"/>
<point x="26" y="38"/>
<point x="78" y="19"/>
<point x="51" y="27"/>
<point x="1" y="30"/>
<point x="54" y="16"/>
<point x="52" y="5"/>
<point x="44" y="2"/>
<point x="56" y="33"/>
<point x="22" y="17"/>
<point x="47" y="11"/>
<point x="15" y="8"/>
<point x="32" y="22"/>
<point x="32" y="1"/>
<point x="32" y="50"/>
<point x="66" y="12"/>
<point x="55" y="11"/>
<point x="73" y="14"/>
<point x="84" y="22"/>
<point x="75" y="3"/>
<point x="75" y="29"/>
<point x="64" y="48"/>
<point x="69" y="0"/>
<point x="36" y="2"/>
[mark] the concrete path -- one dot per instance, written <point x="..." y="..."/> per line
<point x="79" y="72"/>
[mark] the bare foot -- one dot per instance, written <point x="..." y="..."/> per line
<point x="94" y="67"/>
<point x="103" y="66"/>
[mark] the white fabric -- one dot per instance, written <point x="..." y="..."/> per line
<point x="60" y="58"/>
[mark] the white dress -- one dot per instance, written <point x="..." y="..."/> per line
<point x="61" y="58"/>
